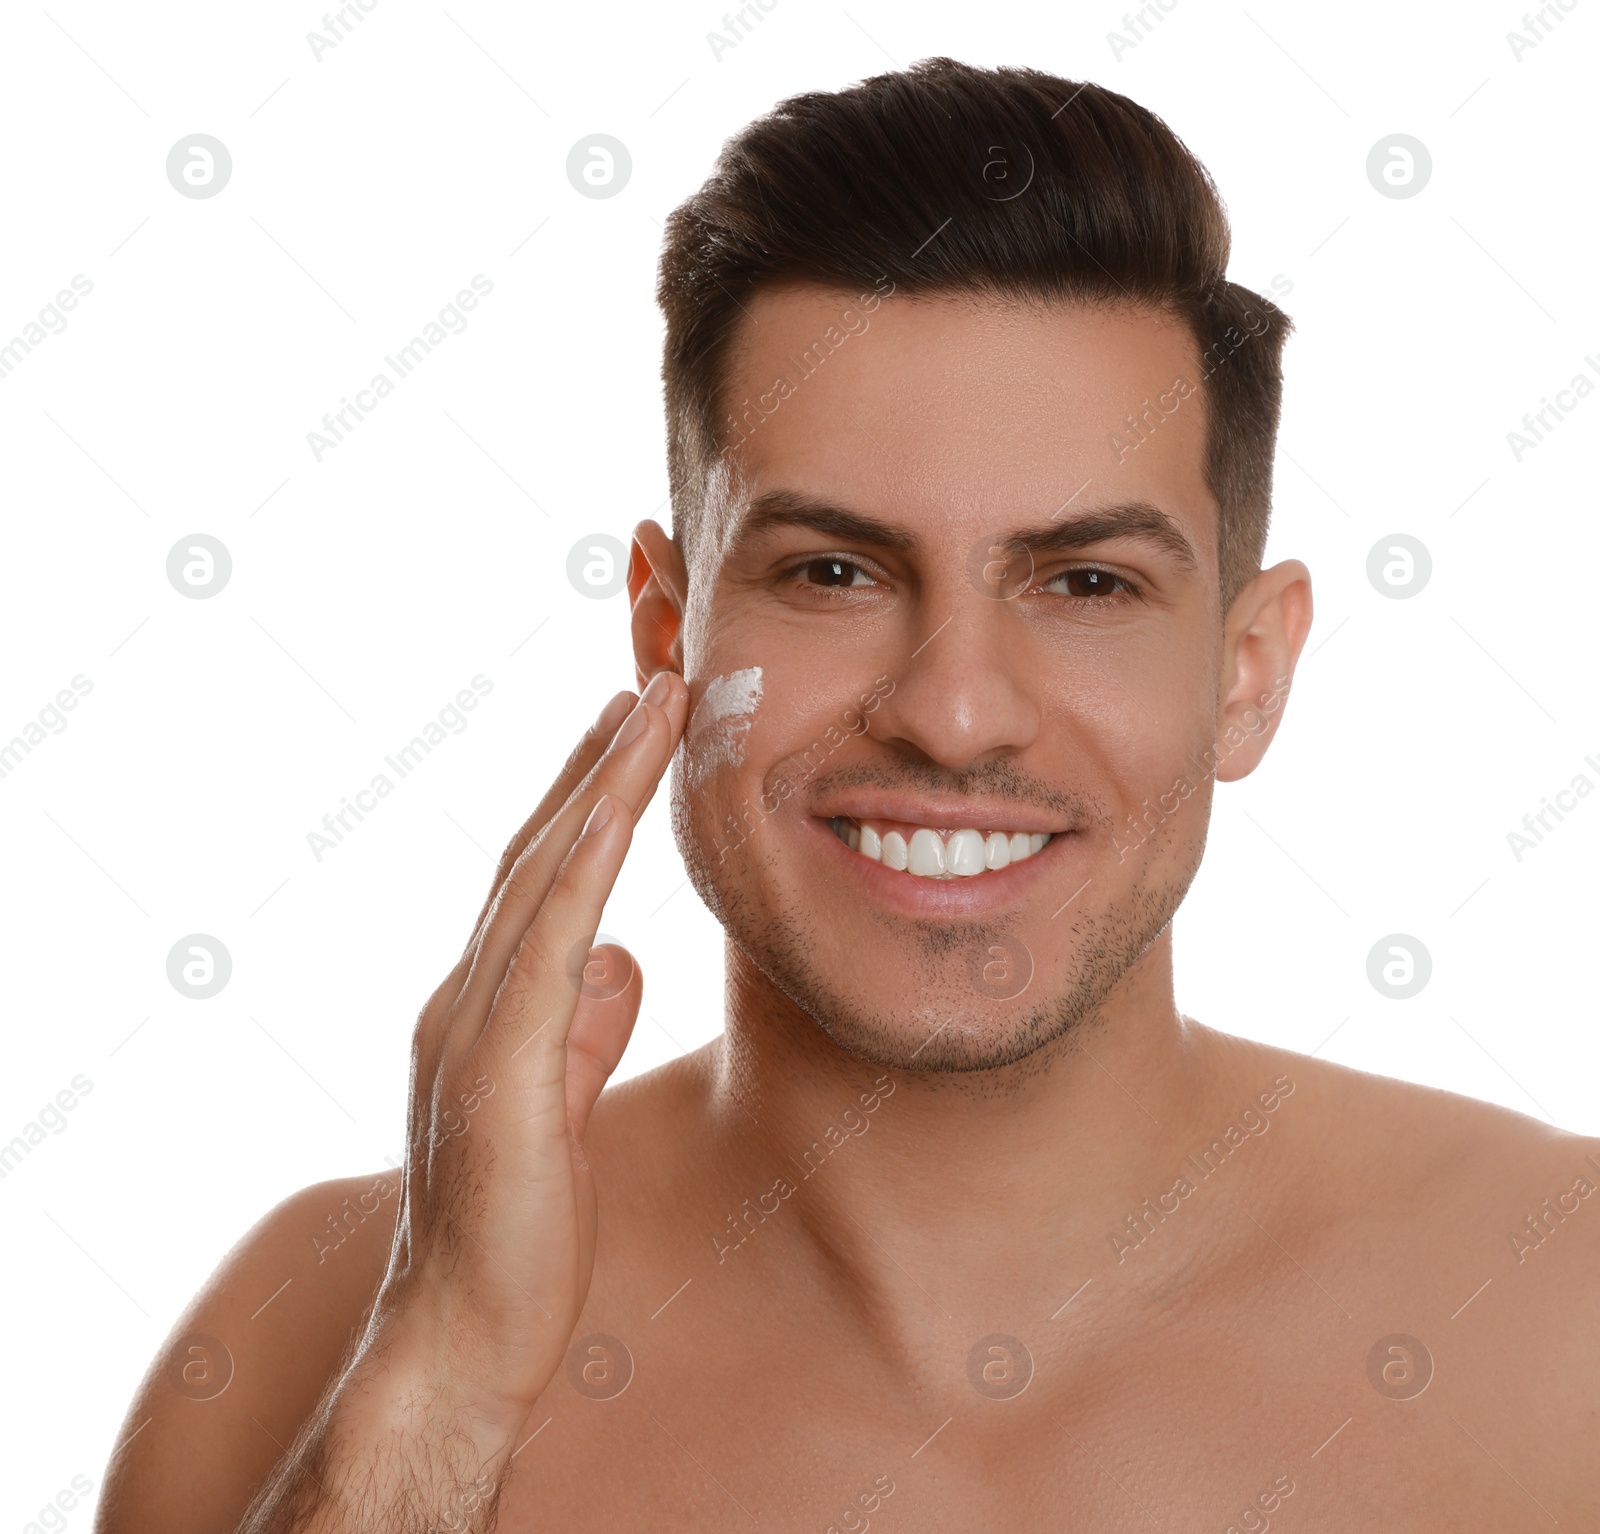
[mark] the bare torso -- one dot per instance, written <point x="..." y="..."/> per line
<point x="1188" y="1381"/>
<point x="1334" y="1329"/>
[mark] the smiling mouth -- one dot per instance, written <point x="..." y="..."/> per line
<point x="925" y="853"/>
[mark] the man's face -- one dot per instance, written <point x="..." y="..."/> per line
<point x="873" y="656"/>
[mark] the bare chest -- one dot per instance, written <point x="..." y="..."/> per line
<point x="1401" y="1373"/>
<point x="1240" y="1433"/>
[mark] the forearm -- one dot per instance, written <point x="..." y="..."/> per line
<point x="386" y="1455"/>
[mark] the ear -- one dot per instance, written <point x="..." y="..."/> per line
<point x="1262" y="638"/>
<point x="657" y="587"/>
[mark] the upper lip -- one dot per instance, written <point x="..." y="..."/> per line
<point x="946" y="812"/>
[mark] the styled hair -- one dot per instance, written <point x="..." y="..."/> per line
<point x="946" y="178"/>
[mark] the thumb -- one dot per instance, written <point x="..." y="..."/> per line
<point x="602" y="1024"/>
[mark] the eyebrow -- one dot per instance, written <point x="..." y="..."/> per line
<point x="774" y="510"/>
<point x="1138" y="520"/>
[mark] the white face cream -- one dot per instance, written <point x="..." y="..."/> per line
<point x="717" y="729"/>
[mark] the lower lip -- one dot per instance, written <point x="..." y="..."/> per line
<point x="973" y="895"/>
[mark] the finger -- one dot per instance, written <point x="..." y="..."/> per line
<point x="602" y="1024"/>
<point x="676" y="707"/>
<point x="627" y="764"/>
<point x="667" y="691"/>
<point x="577" y="767"/>
<point x="629" y="769"/>
<point x="428" y="1040"/>
<point x="439" y="1017"/>
<point x="530" y="1017"/>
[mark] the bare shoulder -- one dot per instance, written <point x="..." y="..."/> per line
<point x="248" y="1359"/>
<point x="1366" y="1126"/>
<point x="1465" y="1225"/>
<point x="1499" y="1188"/>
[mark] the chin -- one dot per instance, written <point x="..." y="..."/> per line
<point x="919" y="1014"/>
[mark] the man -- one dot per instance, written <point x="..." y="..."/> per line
<point x="960" y="1224"/>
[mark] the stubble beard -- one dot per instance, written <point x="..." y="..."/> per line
<point x="949" y="1027"/>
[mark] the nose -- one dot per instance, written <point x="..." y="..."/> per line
<point x="964" y="690"/>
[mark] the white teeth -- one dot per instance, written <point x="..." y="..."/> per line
<point x="926" y="855"/>
<point x="965" y="854"/>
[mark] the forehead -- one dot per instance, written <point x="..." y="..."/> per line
<point x="954" y="409"/>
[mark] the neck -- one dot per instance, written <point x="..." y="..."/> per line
<point x="984" y="1192"/>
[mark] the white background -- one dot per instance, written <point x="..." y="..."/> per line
<point x="431" y="546"/>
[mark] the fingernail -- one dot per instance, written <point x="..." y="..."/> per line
<point x="632" y="728"/>
<point x="658" y="690"/>
<point x="598" y="816"/>
<point x="613" y="713"/>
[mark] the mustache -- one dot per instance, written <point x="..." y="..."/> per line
<point x="1002" y="780"/>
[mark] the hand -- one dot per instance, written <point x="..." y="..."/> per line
<point x="494" y="1243"/>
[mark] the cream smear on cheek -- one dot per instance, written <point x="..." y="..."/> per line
<point x="716" y="735"/>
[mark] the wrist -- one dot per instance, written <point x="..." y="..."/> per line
<point x="393" y="1411"/>
<point x="422" y="1391"/>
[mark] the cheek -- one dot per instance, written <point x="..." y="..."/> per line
<point x="1140" y="750"/>
<point x="715" y="753"/>
<point x="758" y="740"/>
<point x="712" y="841"/>
<point x="719" y="728"/>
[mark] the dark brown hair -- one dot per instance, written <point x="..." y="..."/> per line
<point x="948" y="178"/>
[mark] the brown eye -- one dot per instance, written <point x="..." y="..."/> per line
<point x="1088" y="583"/>
<point x="828" y="571"/>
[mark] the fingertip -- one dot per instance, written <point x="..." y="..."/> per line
<point x="612" y="715"/>
<point x="660" y="688"/>
<point x="618" y="973"/>
<point x="676" y="704"/>
<point x="600" y="816"/>
<point x="669" y="692"/>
